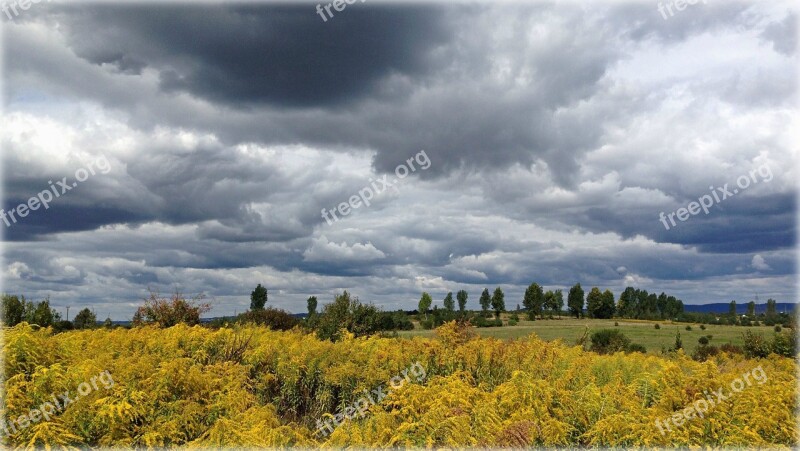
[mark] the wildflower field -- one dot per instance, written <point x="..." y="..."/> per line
<point x="250" y="386"/>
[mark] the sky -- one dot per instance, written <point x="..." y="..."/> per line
<point x="201" y="147"/>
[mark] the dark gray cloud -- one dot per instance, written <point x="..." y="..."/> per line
<point x="245" y="55"/>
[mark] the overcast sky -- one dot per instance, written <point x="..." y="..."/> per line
<point x="556" y="134"/>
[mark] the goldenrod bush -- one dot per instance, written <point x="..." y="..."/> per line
<point x="249" y="386"/>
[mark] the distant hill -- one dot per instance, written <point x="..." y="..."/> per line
<point x="741" y="307"/>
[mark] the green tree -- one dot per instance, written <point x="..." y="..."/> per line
<point x="449" y="304"/>
<point x="732" y="308"/>
<point x="462" y="300"/>
<point x="43" y="315"/>
<point x="600" y="305"/>
<point x="553" y="302"/>
<point x="311" y="304"/>
<point x="425" y="303"/>
<point x="558" y="302"/>
<point x="609" y="306"/>
<point x="13" y="310"/>
<point x="678" y="341"/>
<point x="485" y="301"/>
<point x="771" y="308"/>
<point x="349" y="314"/>
<point x="108" y="324"/>
<point x="751" y="308"/>
<point x="85" y="319"/>
<point x="661" y="304"/>
<point x="258" y="298"/>
<point x="498" y="302"/>
<point x="575" y="300"/>
<point x="628" y="301"/>
<point x="533" y="301"/>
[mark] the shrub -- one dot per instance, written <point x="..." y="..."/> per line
<point x="702" y="353"/>
<point x="702" y="327"/>
<point x="350" y="314"/>
<point x="635" y="347"/>
<point x="270" y="317"/>
<point x="731" y="349"/>
<point x="512" y="322"/>
<point x="169" y="312"/>
<point x="785" y="344"/>
<point x="616" y="324"/>
<point x="657" y="326"/>
<point x="688" y="327"/>
<point x="777" y="329"/>
<point x="755" y="345"/>
<point x="703" y="341"/>
<point x="609" y="341"/>
<point x="426" y="324"/>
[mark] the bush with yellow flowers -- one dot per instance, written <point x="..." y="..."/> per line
<point x="248" y="386"/>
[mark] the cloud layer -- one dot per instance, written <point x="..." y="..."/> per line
<point x="557" y="134"/>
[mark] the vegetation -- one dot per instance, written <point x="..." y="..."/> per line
<point x="85" y="319"/>
<point x="498" y="302"/>
<point x="462" y="300"/>
<point x="533" y="301"/>
<point x="248" y="386"/>
<point x="169" y="312"/>
<point x="449" y="303"/>
<point x="485" y="301"/>
<point x="269" y="317"/>
<point x="17" y="309"/>
<point x="575" y="300"/>
<point x="258" y="298"/>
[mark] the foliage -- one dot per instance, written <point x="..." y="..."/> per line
<point x="498" y="302"/>
<point x="13" y="310"/>
<point x="247" y="386"/>
<point x="783" y="344"/>
<point x="269" y="317"/>
<point x="482" y="321"/>
<point x="462" y="297"/>
<point x="689" y="328"/>
<point x="575" y="300"/>
<point x="258" y="298"/>
<point x="424" y="304"/>
<point x="533" y="301"/>
<point x="553" y="302"/>
<point x="609" y="341"/>
<point x="600" y="305"/>
<point x="449" y="303"/>
<point x="169" y="312"/>
<point x="703" y="353"/>
<point x="657" y="326"/>
<point x="703" y="341"/>
<point x="85" y="319"/>
<point x="311" y="305"/>
<point x="346" y="315"/>
<point x="485" y="301"/>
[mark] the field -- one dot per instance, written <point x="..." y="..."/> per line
<point x="248" y="386"/>
<point x="642" y="332"/>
